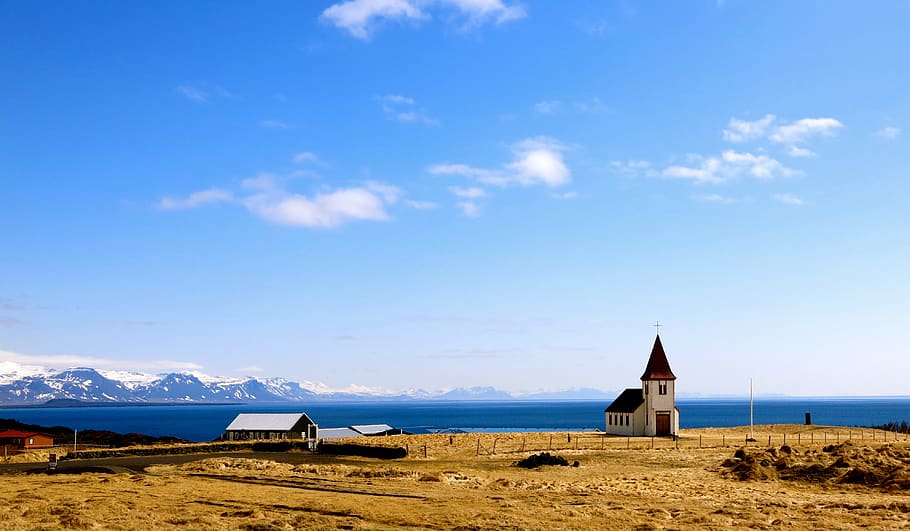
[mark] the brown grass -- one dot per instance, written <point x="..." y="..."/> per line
<point x="455" y="488"/>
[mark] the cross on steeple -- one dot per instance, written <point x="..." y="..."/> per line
<point x="657" y="325"/>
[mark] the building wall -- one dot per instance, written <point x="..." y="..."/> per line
<point x="664" y="403"/>
<point x="631" y="424"/>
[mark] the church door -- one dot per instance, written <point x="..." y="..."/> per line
<point x="663" y="424"/>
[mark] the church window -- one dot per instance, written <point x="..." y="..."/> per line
<point x="662" y="388"/>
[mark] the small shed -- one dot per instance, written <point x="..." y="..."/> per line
<point x="371" y="430"/>
<point x="25" y="440"/>
<point x="253" y="426"/>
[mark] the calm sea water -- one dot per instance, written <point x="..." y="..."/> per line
<point x="207" y="422"/>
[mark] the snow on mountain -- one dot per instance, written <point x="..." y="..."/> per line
<point x="28" y="384"/>
<point x="11" y="371"/>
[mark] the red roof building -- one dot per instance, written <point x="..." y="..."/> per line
<point x="25" y="440"/>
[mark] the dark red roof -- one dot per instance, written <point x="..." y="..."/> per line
<point x="658" y="367"/>
<point x="15" y="434"/>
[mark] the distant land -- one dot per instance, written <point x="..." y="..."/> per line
<point x="25" y="385"/>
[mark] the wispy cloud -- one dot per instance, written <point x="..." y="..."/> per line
<point x="197" y="94"/>
<point x="741" y="130"/>
<point x="6" y="322"/>
<point x="196" y="199"/>
<point x="274" y="124"/>
<point x="598" y="28"/>
<point x="796" y="151"/>
<point x="193" y="93"/>
<point x="467" y="193"/>
<point x="304" y="157"/>
<point x="469" y="208"/>
<point x="633" y="168"/>
<point x="802" y="130"/>
<point x="716" y="198"/>
<point x="547" y="106"/>
<point x="421" y="205"/>
<point x="888" y="133"/>
<point x="589" y="106"/>
<point x="361" y="18"/>
<point x="730" y="164"/>
<point x="250" y="369"/>
<point x="63" y="361"/>
<point x="536" y="161"/>
<point x="404" y="109"/>
<point x="788" y="199"/>
<point x="566" y="195"/>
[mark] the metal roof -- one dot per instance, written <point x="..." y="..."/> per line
<point x="658" y="366"/>
<point x="372" y="429"/>
<point x="267" y="421"/>
<point x="627" y="402"/>
<point x="337" y="433"/>
<point x="16" y="434"/>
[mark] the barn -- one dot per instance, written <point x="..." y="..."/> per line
<point x="25" y="440"/>
<point x="256" y="426"/>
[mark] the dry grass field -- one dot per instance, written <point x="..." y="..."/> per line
<point x="461" y="484"/>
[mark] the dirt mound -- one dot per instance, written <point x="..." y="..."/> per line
<point x="542" y="459"/>
<point x="886" y="467"/>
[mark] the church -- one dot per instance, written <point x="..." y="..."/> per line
<point x="651" y="409"/>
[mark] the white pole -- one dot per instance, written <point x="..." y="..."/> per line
<point x="751" y="432"/>
<point x="74" y="439"/>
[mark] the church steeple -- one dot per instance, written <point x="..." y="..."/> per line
<point x="658" y="366"/>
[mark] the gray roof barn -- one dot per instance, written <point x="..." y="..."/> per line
<point x="269" y="426"/>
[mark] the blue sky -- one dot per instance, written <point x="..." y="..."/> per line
<point x="442" y="193"/>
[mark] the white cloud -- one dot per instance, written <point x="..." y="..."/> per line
<point x="468" y="193"/>
<point x="196" y="199"/>
<point x="889" y="133"/>
<point x="360" y="18"/>
<point x="741" y="130"/>
<point x="796" y="151"/>
<point x="536" y="161"/>
<point x="469" y="208"/>
<point x="729" y="165"/>
<point x="788" y="199"/>
<point x="801" y="130"/>
<point x="274" y="124"/>
<point x="323" y="210"/>
<point x="304" y="157"/>
<point x="416" y="116"/>
<point x="193" y="94"/>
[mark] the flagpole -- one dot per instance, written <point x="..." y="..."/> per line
<point x="751" y="432"/>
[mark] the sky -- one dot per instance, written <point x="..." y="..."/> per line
<point x="397" y="194"/>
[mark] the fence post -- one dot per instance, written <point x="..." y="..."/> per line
<point x="602" y="441"/>
<point x="424" y="451"/>
<point x="785" y="439"/>
<point x="699" y="441"/>
<point x="494" y="446"/>
<point x="478" y="446"/>
<point x="628" y="442"/>
<point x="769" y="440"/>
<point x="550" y="444"/>
<point x="523" y="444"/>
<point x="576" y="442"/>
<point x="799" y="437"/>
<point x="826" y="437"/>
<point x="652" y="442"/>
<point x="723" y="440"/>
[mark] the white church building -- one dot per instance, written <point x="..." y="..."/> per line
<point x="651" y="409"/>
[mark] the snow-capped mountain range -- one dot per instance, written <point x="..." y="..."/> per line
<point x="30" y="384"/>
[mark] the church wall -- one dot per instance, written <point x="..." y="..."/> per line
<point x="654" y="402"/>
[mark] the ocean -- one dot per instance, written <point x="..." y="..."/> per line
<point x="206" y="422"/>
